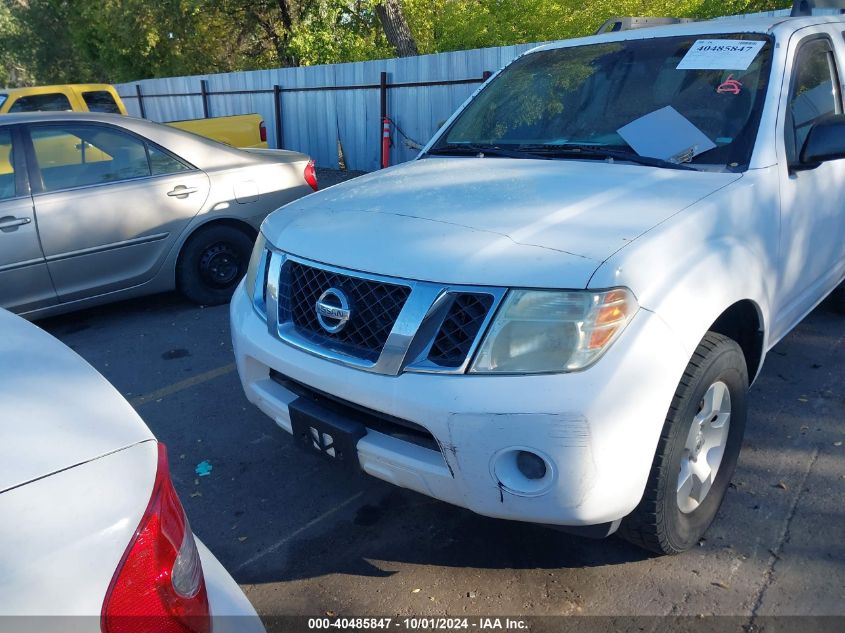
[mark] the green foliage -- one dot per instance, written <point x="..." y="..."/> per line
<point x="460" y="24"/>
<point x="12" y="68"/>
<point x="37" y="42"/>
<point x="333" y="31"/>
<point x="64" y="41"/>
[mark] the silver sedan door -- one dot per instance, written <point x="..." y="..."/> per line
<point x="25" y="283"/>
<point x="110" y="205"/>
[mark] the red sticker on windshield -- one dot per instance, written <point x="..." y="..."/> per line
<point x="730" y="85"/>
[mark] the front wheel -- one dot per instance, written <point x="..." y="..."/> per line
<point x="697" y="452"/>
<point x="212" y="263"/>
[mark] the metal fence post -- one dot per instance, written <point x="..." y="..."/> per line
<point x="140" y="101"/>
<point x="277" y="107"/>
<point x="204" y="91"/>
<point x="384" y="156"/>
<point x="388" y="130"/>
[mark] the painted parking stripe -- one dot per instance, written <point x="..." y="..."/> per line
<point x="176" y="387"/>
<point x="295" y="533"/>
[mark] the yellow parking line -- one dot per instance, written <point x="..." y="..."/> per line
<point x="176" y="387"/>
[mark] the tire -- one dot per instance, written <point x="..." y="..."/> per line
<point x="660" y="523"/>
<point x="212" y="263"/>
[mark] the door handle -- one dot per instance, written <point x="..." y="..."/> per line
<point x="181" y="191"/>
<point x="11" y="223"/>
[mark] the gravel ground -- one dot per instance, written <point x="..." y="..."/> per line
<point x="329" y="177"/>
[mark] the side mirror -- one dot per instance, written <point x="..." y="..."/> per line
<point x="825" y="141"/>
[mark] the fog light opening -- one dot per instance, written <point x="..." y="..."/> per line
<point x="522" y="471"/>
<point x="531" y="465"/>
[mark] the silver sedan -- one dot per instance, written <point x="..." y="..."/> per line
<point x="98" y="207"/>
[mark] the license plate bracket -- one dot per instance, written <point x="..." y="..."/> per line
<point x="319" y="429"/>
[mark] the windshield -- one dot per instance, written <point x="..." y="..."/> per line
<point x="580" y="98"/>
<point x="3" y="99"/>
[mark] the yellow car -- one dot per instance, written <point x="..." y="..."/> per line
<point x="71" y="98"/>
<point x="242" y="130"/>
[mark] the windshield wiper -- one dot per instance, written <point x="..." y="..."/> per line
<point x="472" y="149"/>
<point x="571" y="150"/>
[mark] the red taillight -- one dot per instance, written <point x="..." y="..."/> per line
<point x="311" y="175"/>
<point x="158" y="585"/>
<point x="262" y="131"/>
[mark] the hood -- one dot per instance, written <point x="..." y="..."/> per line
<point x="487" y="221"/>
<point x="56" y="411"/>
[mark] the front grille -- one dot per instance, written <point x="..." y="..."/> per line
<point x="374" y="306"/>
<point x="459" y="329"/>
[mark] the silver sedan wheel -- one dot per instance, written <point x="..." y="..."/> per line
<point x="704" y="447"/>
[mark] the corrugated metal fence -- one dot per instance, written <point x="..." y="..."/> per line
<point x="312" y="108"/>
<point x="321" y="105"/>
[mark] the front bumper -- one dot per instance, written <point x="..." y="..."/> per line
<point x="598" y="429"/>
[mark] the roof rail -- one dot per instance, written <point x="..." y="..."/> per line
<point x="805" y="7"/>
<point x="628" y="23"/>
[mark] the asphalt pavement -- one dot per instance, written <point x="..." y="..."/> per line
<point x="303" y="538"/>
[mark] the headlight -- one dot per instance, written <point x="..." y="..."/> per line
<point x="255" y="262"/>
<point x="542" y="331"/>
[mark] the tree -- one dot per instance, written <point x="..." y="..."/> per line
<point x="461" y="24"/>
<point x="14" y="69"/>
<point x="35" y="42"/>
<point x="275" y="19"/>
<point x="70" y="41"/>
<point x="396" y="28"/>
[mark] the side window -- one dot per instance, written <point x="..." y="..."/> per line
<point x="814" y="92"/>
<point x="162" y="163"/>
<point x="100" y="101"/>
<point x="81" y="155"/>
<point x="55" y="102"/>
<point x="7" y="167"/>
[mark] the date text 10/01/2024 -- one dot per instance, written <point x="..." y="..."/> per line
<point x="421" y="623"/>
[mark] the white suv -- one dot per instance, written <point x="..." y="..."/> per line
<point x="553" y="314"/>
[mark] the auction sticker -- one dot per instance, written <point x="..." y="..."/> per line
<point x="721" y="54"/>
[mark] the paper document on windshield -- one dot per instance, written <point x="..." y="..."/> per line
<point x="665" y="134"/>
<point x="721" y="55"/>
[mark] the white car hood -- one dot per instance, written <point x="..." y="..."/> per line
<point x="56" y="411"/>
<point x="487" y="221"/>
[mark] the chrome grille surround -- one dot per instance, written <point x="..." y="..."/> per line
<point x="375" y="307"/>
<point x="408" y="340"/>
<point x="460" y="328"/>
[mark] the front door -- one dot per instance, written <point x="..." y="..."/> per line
<point x="24" y="280"/>
<point x="812" y="257"/>
<point x="110" y="205"/>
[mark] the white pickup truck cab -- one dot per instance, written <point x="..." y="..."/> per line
<point x="554" y="313"/>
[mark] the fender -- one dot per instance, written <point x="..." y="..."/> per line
<point x="165" y="278"/>
<point x="697" y="264"/>
<point x="723" y="272"/>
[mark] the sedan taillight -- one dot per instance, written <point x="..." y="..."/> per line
<point x="158" y="585"/>
<point x="311" y="174"/>
<point x="262" y="132"/>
